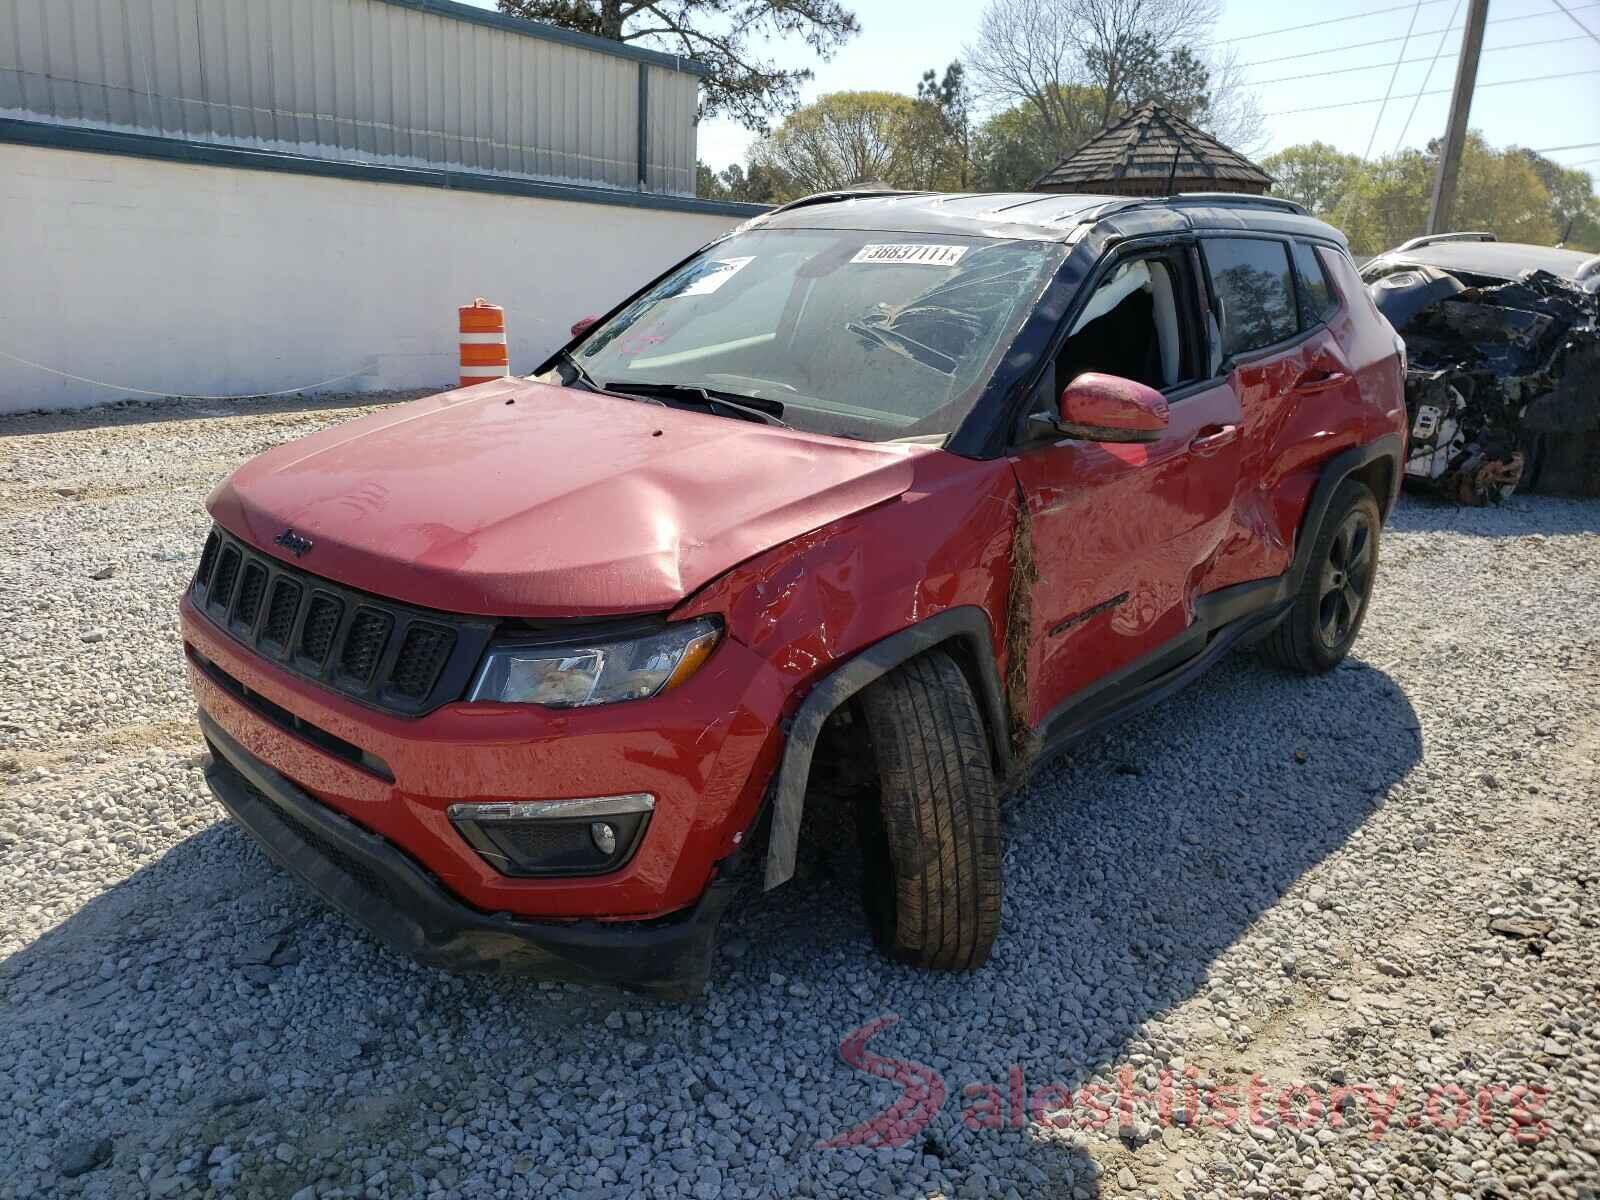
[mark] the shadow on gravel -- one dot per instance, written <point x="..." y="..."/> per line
<point x="1522" y="515"/>
<point x="156" y="412"/>
<point x="1131" y="866"/>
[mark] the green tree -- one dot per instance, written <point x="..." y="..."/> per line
<point x="1387" y="199"/>
<point x="707" y="185"/>
<point x="759" y="185"/>
<point x="951" y="104"/>
<point x="1500" y="190"/>
<point x="850" y="138"/>
<point x="727" y="36"/>
<point x="1573" y="204"/>
<point x="1010" y="150"/>
<point x="1314" y="174"/>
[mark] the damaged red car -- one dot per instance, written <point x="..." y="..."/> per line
<point x="922" y="486"/>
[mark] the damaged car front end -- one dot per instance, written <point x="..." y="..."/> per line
<point x="1503" y="378"/>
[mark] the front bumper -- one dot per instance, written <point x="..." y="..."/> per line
<point x="376" y="885"/>
<point x="705" y="752"/>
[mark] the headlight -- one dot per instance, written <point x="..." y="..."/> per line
<point x="573" y="674"/>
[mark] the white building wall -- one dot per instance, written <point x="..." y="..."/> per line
<point x="209" y="280"/>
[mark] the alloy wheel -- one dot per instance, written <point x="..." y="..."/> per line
<point x="1346" y="580"/>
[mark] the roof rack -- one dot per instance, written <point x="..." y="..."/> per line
<point x="834" y="197"/>
<point x="1234" y="200"/>
<point x="1430" y="239"/>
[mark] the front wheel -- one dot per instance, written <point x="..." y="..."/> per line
<point x="1332" y="602"/>
<point x="932" y="844"/>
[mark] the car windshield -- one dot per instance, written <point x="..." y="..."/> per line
<point x="879" y="336"/>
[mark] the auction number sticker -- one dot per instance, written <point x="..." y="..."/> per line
<point x="923" y="254"/>
<point x="715" y="273"/>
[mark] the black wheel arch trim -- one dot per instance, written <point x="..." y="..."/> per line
<point x="1334" y="472"/>
<point x="966" y="625"/>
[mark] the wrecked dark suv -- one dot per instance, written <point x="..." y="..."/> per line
<point x="923" y="486"/>
<point x="1503" y="386"/>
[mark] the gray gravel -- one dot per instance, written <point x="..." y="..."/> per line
<point x="1271" y="876"/>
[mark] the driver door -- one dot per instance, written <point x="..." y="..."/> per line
<point x="1121" y="533"/>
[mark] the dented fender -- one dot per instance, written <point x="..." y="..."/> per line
<point x="834" y="610"/>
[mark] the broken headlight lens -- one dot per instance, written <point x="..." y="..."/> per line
<point x="574" y="674"/>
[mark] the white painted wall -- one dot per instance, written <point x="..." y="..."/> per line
<point x="205" y="280"/>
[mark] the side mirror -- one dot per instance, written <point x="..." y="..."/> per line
<point x="1108" y="408"/>
<point x="583" y="325"/>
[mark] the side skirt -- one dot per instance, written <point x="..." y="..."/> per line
<point x="1222" y="621"/>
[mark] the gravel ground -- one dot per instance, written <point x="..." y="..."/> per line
<point x="1383" y="879"/>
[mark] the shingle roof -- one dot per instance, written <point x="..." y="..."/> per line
<point x="1134" y="156"/>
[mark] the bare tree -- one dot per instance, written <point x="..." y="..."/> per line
<point x="1234" y="116"/>
<point x="1079" y="64"/>
<point x="1117" y="39"/>
<point x="1028" y="53"/>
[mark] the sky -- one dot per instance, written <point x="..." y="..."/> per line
<point x="1530" y="41"/>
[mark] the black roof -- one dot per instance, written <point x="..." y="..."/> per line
<point x="1041" y="216"/>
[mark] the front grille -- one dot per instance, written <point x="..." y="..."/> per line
<point x="368" y="635"/>
<point x="425" y="647"/>
<point x="322" y="622"/>
<point x="395" y="657"/>
<point x="252" y="585"/>
<point x="227" y="571"/>
<point x="281" y="613"/>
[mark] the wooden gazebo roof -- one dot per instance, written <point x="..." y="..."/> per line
<point x="1134" y="157"/>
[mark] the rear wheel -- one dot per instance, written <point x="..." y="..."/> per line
<point x="1332" y="601"/>
<point x="932" y="843"/>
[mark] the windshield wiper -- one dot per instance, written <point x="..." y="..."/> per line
<point x="768" y="412"/>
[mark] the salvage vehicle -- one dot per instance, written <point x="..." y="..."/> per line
<point x="1503" y="387"/>
<point x="910" y="487"/>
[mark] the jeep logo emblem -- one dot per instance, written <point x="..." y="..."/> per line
<point x="296" y="544"/>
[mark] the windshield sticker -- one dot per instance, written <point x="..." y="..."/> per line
<point x="714" y="274"/>
<point x="922" y="254"/>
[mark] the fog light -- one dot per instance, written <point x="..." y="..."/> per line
<point x="588" y="836"/>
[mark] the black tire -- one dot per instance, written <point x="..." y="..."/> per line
<point x="1333" y="597"/>
<point x="932" y="843"/>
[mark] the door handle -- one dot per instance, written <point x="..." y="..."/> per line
<point x="1320" y="381"/>
<point x="1213" y="438"/>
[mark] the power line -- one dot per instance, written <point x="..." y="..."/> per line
<point x="1593" y="37"/>
<point x="1371" y="12"/>
<point x="1405" y="63"/>
<point x="1393" y="75"/>
<point x="1574" y="146"/>
<point x="1428" y="77"/>
<point x="1409" y="62"/>
<point x="1389" y="41"/>
<point x="1441" y="92"/>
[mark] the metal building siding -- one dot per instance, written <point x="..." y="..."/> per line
<point x="352" y="80"/>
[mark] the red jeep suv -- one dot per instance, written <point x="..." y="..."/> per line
<point x="911" y="489"/>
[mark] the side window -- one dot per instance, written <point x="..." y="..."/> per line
<point x="1137" y="324"/>
<point x="1317" y="300"/>
<point x="1252" y="280"/>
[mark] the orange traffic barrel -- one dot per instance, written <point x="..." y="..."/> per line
<point x="483" y="343"/>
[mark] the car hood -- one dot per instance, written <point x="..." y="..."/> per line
<point x="517" y="499"/>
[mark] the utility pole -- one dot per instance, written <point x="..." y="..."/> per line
<point x="1455" y="137"/>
